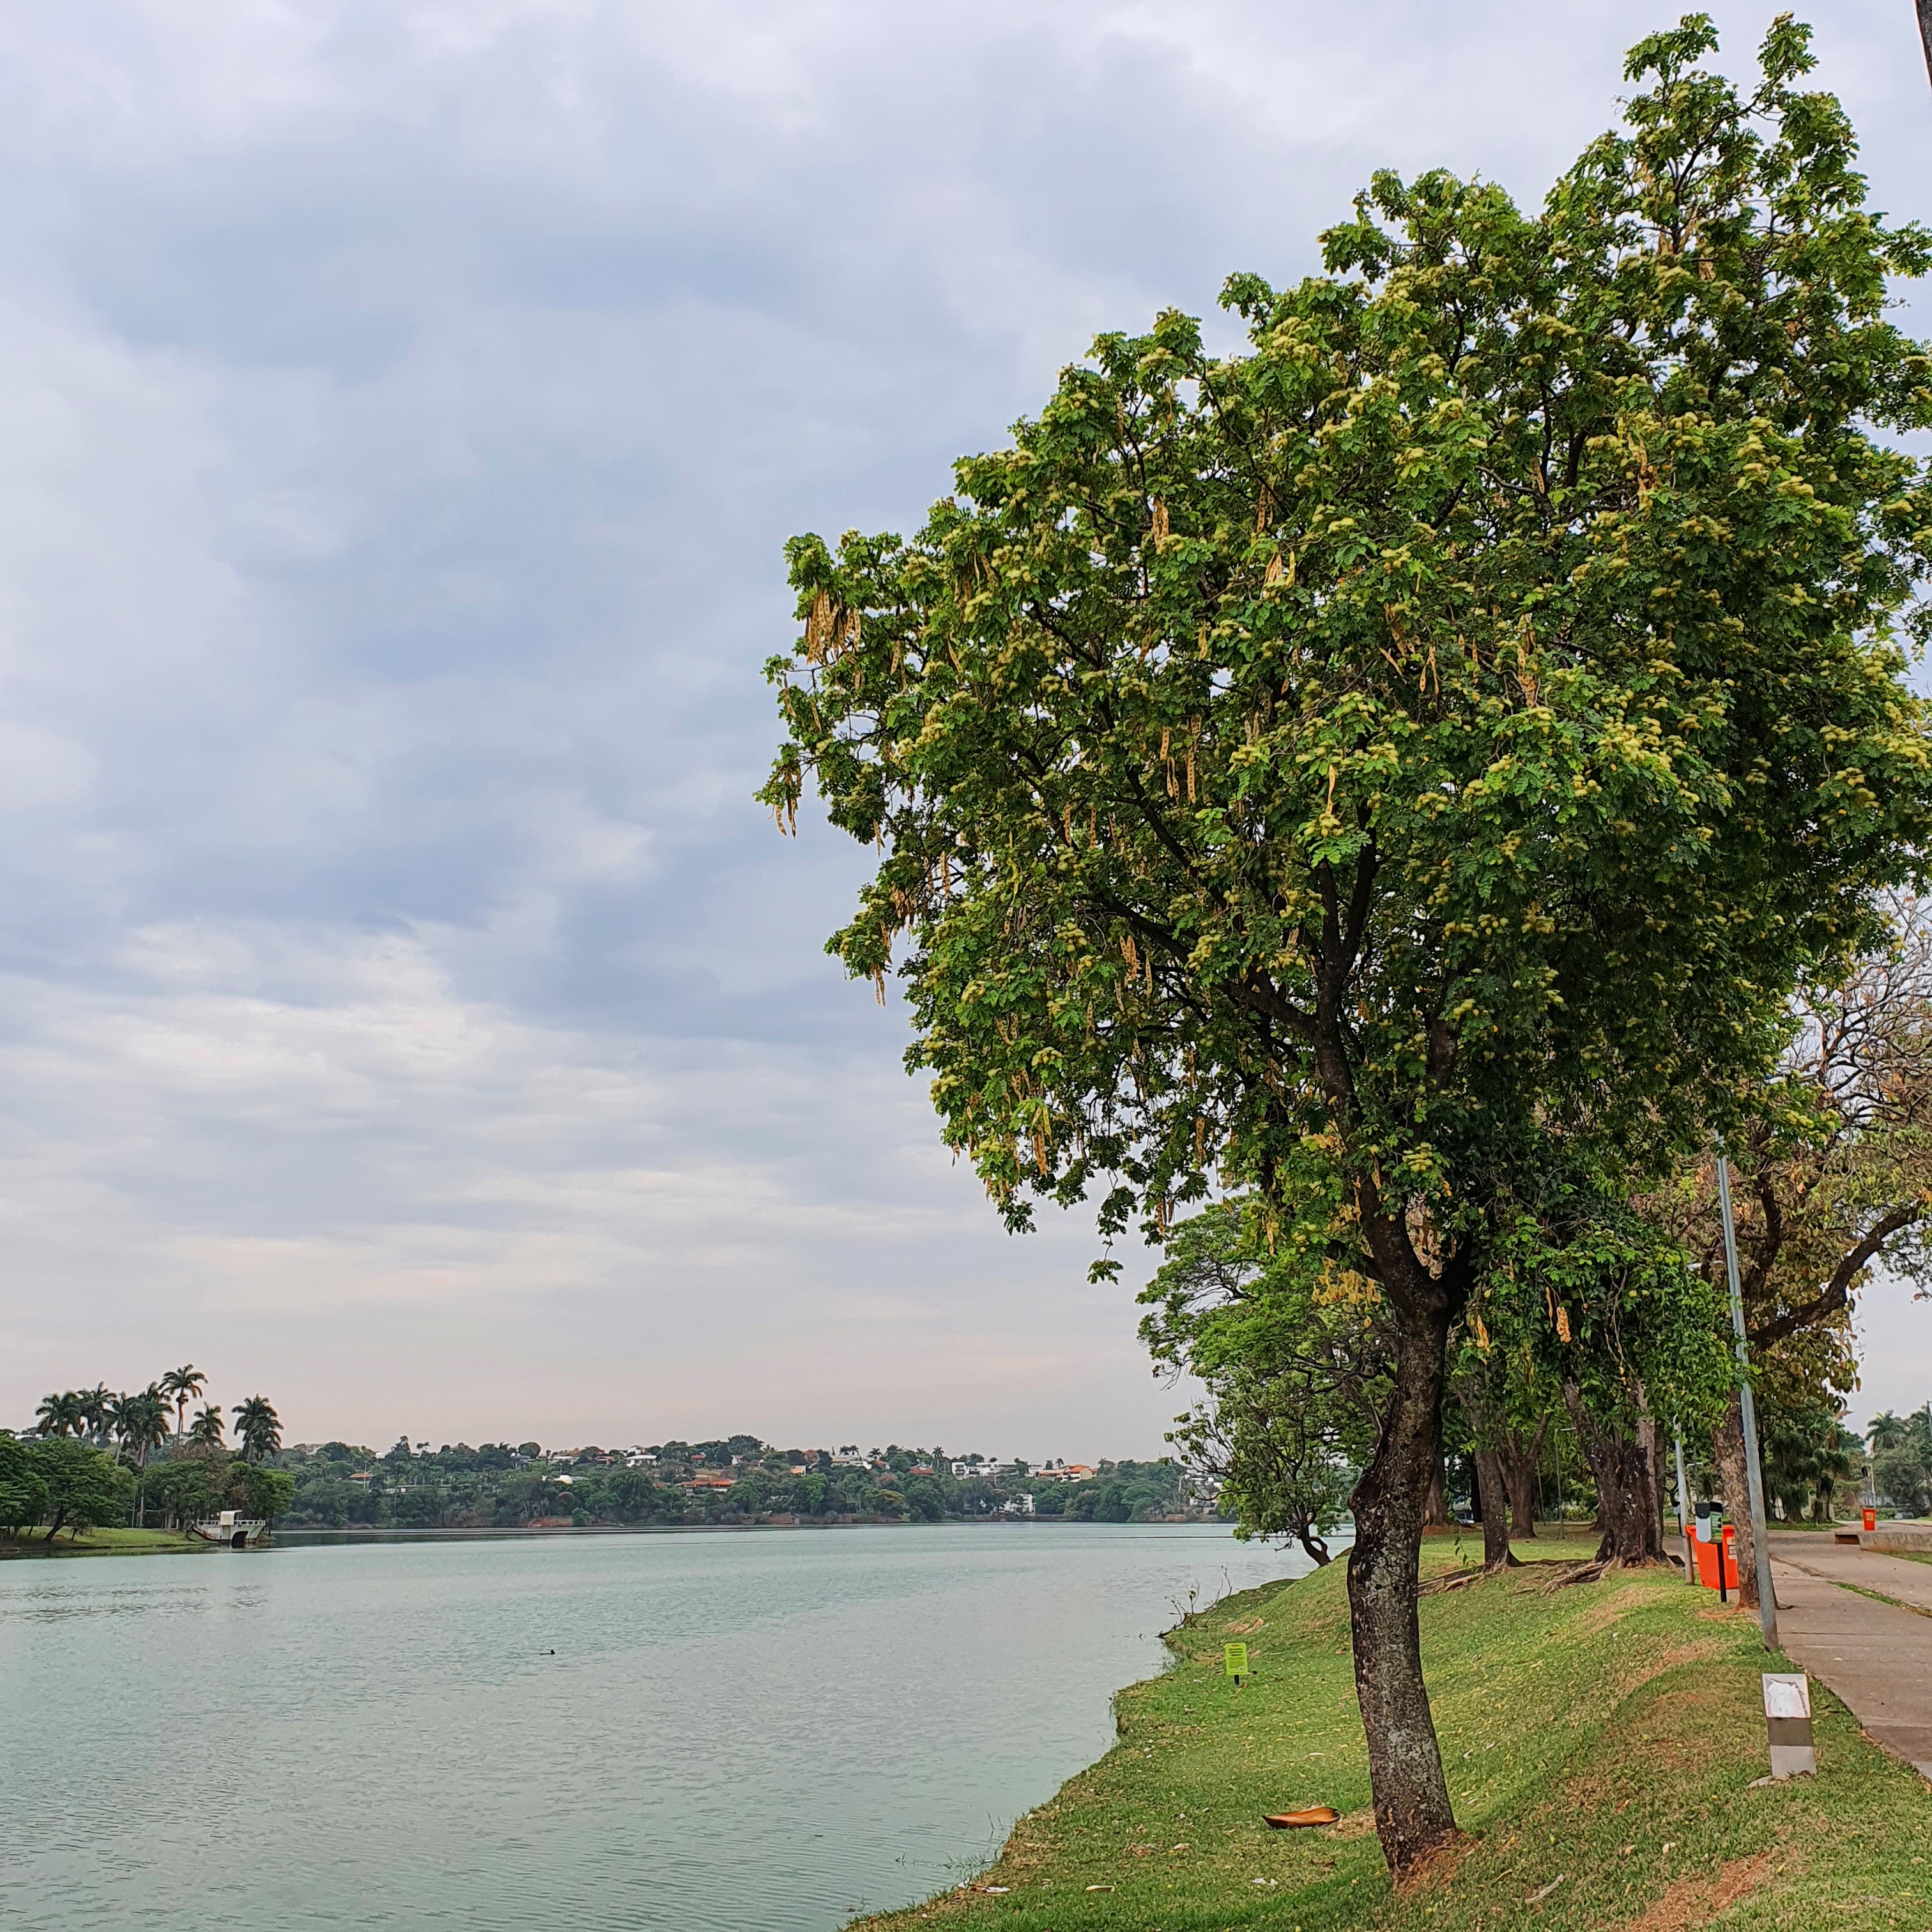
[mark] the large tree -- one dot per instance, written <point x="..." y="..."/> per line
<point x="84" y="1488"/>
<point x="1310" y="769"/>
<point x="23" y="1495"/>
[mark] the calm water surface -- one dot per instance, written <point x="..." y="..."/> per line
<point x="736" y="1731"/>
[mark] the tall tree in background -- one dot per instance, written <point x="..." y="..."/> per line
<point x="259" y="1428"/>
<point x="183" y="1385"/>
<point x="207" y="1427"/>
<point x="1471" y="708"/>
<point x="1587" y="1297"/>
<point x="141" y="1422"/>
<point x="60" y="1414"/>
<point x="95" y="1404"/>
<point x="1834" y="1170"/>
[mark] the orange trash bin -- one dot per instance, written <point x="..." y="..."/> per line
<point x="1707" y="1561"/>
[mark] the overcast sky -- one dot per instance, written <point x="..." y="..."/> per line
<point x="407" y="1013"/>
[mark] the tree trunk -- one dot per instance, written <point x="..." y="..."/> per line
<point x="1491" y="1495"/>
<point x="1626" y="1488"/>
<point x="1413" y="1813"/>
<point x="1519" y="1461"/>
<point x="1925" y="32"/>
<point x="1650" y="1443"/>
<point x="1436" y="1510"/>
<point x="1727" y="1441"/>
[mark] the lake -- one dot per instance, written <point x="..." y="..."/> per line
<point x="769" y="1730"/>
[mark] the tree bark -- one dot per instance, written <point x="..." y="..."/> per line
<point x="1493" y="1496"/>
<point x="1653" y="1464"/>
<point x="1436" y="1510"/>
<point x="1413" y="1814"/>
<point x="1626" y="1488"/>
<point x="1925" y="32"/>
<point x="1727" y="1441"/>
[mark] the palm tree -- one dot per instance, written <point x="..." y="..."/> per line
<point x="59" y="1415"/>
<point x="94" y="1412"/>
<point x="118" y="1420"/>
<point x="259" y="1426"/>
<point x="141" y="1422"/>
<point x="1888" y="1431"/>
<point x="183" y="1385"/>
<point x="207" y="1429"/>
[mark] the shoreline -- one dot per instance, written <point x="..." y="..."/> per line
<point x="1604" y="1744"/>
<point x="116" y="1542"/>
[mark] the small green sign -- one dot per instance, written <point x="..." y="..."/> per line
<point x="1235" y="1657"/>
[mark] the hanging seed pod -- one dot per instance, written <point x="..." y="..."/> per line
<point x="1562" y="1325"/>
<point x="818" y="627"/>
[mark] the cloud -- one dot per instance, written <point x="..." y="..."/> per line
<point x="405" y="1009"/>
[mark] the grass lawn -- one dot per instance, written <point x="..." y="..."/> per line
<point x="1600" y="1742"/>
<point x="101" y="1542"/>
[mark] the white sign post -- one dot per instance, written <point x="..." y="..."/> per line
<point x="1787" y="1718"/>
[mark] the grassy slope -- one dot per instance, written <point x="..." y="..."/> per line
<point x="101" y="1542"/>
<point x="1608" y="1732"/>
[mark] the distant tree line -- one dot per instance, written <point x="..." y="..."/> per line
<point x="95" y="1459"/>
<point x="737" y="1479"/>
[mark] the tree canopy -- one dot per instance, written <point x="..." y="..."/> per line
<point x="1323" y="769"/>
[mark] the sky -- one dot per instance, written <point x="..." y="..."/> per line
<point x="405" y="1011"/>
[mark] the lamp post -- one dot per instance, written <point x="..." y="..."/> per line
<point x="1684" y="1516"/>
<point x="1767" y="1596"/>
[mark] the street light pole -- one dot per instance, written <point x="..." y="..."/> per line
<point x="1684" y="1491"/>
<point x="1767" y="1596"/>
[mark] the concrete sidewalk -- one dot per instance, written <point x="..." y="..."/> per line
<point x="1897" y="1576"/>
<point x="1875" y="1656"/>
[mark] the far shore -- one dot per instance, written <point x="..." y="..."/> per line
<point x="172" y="1543"/>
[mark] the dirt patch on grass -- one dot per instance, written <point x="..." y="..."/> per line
<point x="1693" y="1902"/>
<point x="1667" y="1659"/>
<point x="1355" y="1825"/>
<point x="1438" y="1867"/>
<point x="1610" y="1610"/>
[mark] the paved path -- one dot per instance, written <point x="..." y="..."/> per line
<point x="1877" y="1658"/>
<point x="1897" y="1576"/>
